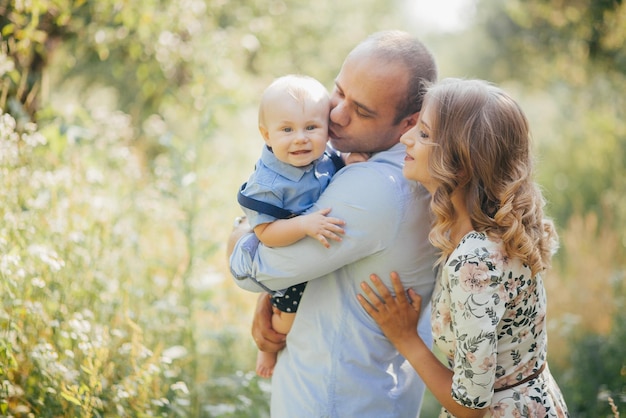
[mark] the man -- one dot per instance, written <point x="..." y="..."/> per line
<point x="337" y="362"/>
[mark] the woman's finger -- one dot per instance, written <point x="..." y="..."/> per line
<point x="373" y="299"/>
<point x="398" y="288"/>
<point x="384" y="293"/>
<point x="366" y="305"/>
<point x="416" y="300"/>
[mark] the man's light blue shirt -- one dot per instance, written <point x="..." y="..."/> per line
<point x="337" y="363"/>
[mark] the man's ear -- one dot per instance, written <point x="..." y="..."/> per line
<point x="410" y="121"/>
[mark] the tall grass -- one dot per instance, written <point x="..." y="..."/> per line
<point x="582" y="285"/>
<point x="587" y="320"/>
<point x="112" y="279"/>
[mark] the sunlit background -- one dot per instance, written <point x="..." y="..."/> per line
<point x="441" y="16"/>
<point x="127" y="128"/>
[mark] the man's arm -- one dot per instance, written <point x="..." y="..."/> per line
<point x="240" y="228"/>
<point x="243" y="238"/>
<point x="361" y="195"/>
<point x="264" y="336"/>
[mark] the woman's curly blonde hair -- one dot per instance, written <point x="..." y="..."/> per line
<point x="482" y="145"/>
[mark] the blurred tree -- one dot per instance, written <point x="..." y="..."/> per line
<point x="28" y="31"/>
<point x="158" y="54"/>
<point x="540" y="41"/>
<point x="572" y="52"/>
<point x="141" y="49"/>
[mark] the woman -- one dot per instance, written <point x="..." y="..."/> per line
<point x="471" y="150"/>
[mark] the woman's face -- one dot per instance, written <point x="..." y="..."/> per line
<point x="419" y="143"/>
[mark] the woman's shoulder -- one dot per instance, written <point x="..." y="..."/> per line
<point x="475" y="239"/>
<point x="478" y="248"/>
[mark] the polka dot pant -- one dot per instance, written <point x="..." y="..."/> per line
<point x="290" y="299"/>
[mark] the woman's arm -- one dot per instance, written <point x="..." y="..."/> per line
<point x="398" y="317"/>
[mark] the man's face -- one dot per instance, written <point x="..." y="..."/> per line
<point x="364" y="102"/>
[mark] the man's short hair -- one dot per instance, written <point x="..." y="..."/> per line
<point x="394" y="45"/>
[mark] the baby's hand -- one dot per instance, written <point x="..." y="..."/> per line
<point x="321" y="227"/>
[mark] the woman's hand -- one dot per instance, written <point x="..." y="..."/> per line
<point x="397" y="316"/>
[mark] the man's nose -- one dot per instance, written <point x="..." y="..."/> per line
<point x="339" y="114"/>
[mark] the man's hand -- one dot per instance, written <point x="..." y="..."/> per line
<point x="240" y="228"/>
<point x="264" y="335"/>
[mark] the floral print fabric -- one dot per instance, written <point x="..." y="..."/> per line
<point x="488" y="318"/>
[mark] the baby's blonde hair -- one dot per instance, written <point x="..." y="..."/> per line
<point x="300" y="87"/>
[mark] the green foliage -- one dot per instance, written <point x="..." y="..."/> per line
<point x="566" y="40"/>
<point x="172" y="58"/>
<point x="600" y="371"/>
<point x="581" y="161"/>
<point x="27" y="31"/>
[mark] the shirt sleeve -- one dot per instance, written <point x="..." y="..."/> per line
<point x="476" y="307"/>
<point x="362" y="196"/>
<point x="243" y="254"/>
<point x="260" y="191"/>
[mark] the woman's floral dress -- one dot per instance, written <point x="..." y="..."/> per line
<point x="488" y="318"/>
